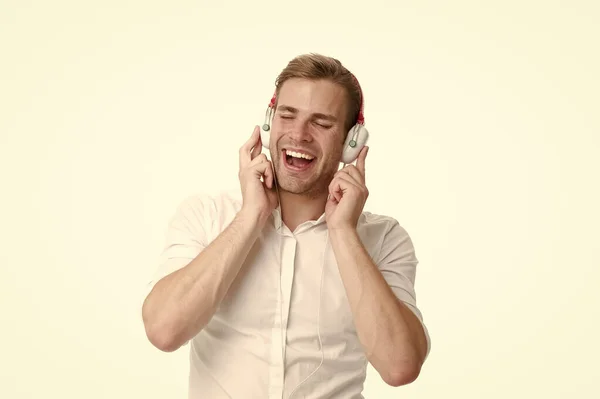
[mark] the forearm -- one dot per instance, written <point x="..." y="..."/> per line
<point x="182" y="303"/>
<point x="390" y="333"/>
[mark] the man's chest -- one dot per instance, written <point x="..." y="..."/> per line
<point x="291" y="284"/>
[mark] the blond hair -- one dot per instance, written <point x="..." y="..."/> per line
<point x="316" y="67"/>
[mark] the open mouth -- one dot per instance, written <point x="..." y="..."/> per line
<point x="298" y="161"/>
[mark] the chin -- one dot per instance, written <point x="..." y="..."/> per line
<point x="296" y="186"/>
<point x="310" y="189"/>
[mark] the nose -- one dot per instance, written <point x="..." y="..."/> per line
<point x="300" y="132"/>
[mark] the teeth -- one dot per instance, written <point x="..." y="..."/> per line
<point x="298" y="155"/>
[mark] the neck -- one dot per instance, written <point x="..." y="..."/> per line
<point x="297" y="209"/>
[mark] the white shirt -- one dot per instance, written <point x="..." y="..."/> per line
<point x="289" y="290"/>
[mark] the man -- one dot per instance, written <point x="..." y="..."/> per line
<point x="291" y="289"/>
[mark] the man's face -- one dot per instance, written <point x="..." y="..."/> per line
<point x="308" y="134"/>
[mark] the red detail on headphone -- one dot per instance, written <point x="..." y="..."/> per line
<point x="361" y="117"/>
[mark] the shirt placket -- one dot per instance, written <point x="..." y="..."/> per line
<point x="279" y="329"/>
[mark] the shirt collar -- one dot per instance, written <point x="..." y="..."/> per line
<point x="277" y="221"/>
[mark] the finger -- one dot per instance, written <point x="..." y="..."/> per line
<point x="335" y="190"/>
<point x="264" y="170"/>
<point x="354" y="173"/>
<point x="360" y="163"/>
<point x="248" y="168"/>
<point x="261" y="158"/>
<point x="269" y="175"/>
<point x="257" y="147"/>
<point x="258" y="163"/>
<point x="245" y="155"/>
<point x="341" y="184"/>
<point x="348" y="182"/>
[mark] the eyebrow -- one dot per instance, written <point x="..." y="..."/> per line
<point x="318" y="115"/>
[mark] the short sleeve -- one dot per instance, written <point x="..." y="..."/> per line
<point x="397" y="262"/>
<point x="187" y="234"/>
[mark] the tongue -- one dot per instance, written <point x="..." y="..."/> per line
<point x="300" y="162"/>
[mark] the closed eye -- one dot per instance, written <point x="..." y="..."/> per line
<point x="324" y="126"/>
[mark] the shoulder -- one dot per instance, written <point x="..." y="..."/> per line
<point x="385" y="238"/>
<point x="380" y="225"/>
<point x="208" y="211"/>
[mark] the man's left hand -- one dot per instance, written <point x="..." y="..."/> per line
<point x="347" y="195"/>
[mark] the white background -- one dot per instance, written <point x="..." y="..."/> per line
<point x="484" y="123"/>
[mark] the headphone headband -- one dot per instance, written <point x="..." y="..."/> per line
<point x="361" y="116"/>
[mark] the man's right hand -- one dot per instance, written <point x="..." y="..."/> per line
<point x="259" y="196"/>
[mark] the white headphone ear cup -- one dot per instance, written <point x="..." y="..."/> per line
<point x="358" y="135"/>
<point x="265" y="136"/>
<point x="265" y="128"/>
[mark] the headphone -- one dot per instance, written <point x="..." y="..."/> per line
<point x="356" y="138"/>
